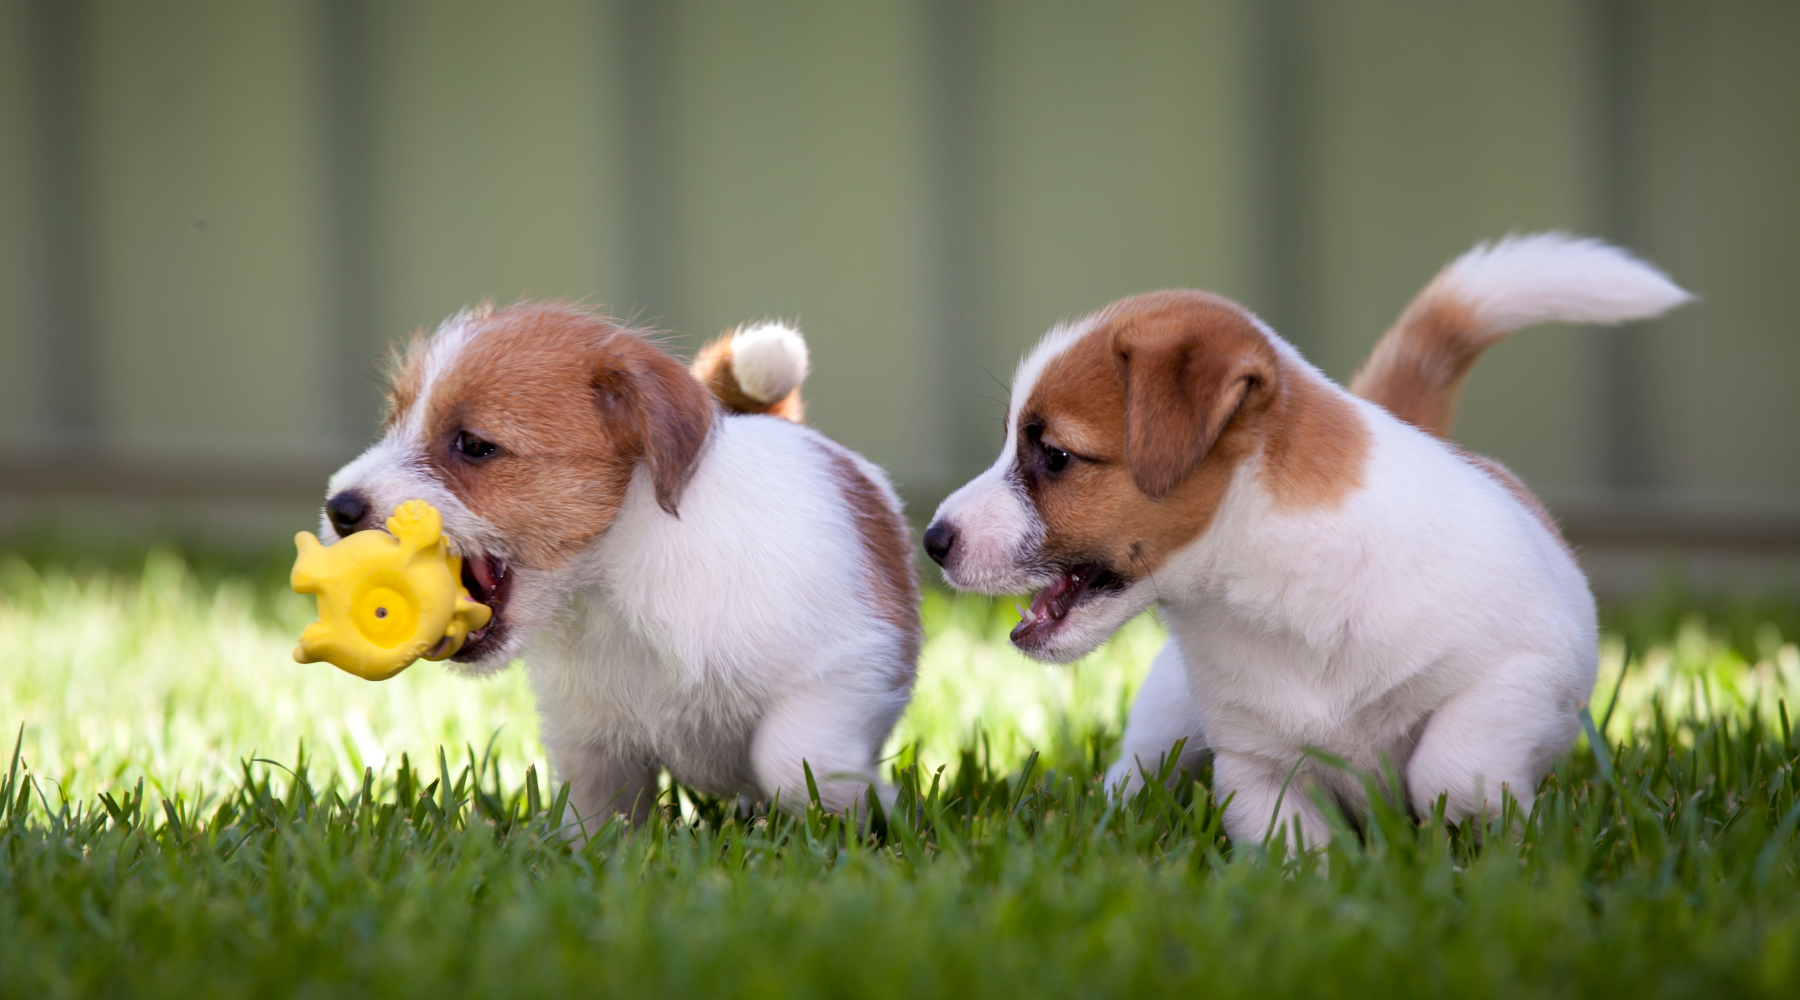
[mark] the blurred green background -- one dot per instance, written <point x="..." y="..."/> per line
<point x="215" y="215"/>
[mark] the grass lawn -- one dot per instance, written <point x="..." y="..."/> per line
<point x="189" y="813"/>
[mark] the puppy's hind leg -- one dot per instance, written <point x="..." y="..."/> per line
<point x="1163" y="714"/>
<point x="1506" y="731"/>
<point x="836" y="733"/>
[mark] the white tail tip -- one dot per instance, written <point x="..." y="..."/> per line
<point x="1520" y="281"/>
<point x="768" y="360"/>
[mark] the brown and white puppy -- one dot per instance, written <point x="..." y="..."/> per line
<point x="1334" y="572"/>
<point x="710" y="589"/>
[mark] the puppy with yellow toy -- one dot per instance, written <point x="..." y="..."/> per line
<point x="694" y="580"/>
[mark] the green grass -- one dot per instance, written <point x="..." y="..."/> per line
<point x="150" y="843"/>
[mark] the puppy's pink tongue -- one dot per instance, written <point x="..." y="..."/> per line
<point x="1044" y="602"/>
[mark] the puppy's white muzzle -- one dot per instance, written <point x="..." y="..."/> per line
<point x="987" y="534"/>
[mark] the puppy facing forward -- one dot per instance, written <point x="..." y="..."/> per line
<point x="1334" y="572"/>
<point x="695" y="581"/>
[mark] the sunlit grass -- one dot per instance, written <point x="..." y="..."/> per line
<point x="1694" y="673"/>
<point x="117" y="677"/>
<point x="972" y="682"/>
<point x="125" y="675"/>
<point x="154" y="674"/>
<point x="120" y="676"/>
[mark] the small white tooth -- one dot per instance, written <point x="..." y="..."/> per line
<point x="1020" y="608"/>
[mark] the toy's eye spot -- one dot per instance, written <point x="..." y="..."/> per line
<point x="383" y="613"/>
<point x="473" y="447"/>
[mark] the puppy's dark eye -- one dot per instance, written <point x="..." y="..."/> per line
<point x="473" y="447"/>
<point x="1055" y="459"/>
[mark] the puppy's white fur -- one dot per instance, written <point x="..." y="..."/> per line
<point x="1521" y="281"/>
<point x="733" y="644"/>
<point x="729" y="645"/>
<point x="1430" y="620"/>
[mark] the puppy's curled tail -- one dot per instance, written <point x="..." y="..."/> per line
<point x="756" y="369"/>
<point x="1416" y="370"/>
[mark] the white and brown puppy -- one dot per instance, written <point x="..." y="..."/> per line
<point x="1333" y="572"/>
<point x="710" y="589"/>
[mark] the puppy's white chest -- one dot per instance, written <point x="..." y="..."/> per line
<point x="602" y="682"/>
<point x="1266" y="693"/>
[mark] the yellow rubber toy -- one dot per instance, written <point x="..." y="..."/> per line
<point x="386" y="598"/>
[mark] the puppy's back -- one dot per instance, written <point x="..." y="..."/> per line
<point x="789" y="546"/>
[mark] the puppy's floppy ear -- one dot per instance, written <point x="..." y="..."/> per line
<point x="667" y="410"/>
<point x="1187" y="372"/>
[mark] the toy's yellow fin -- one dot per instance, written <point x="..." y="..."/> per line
<point x="417" y="524"/>
<point x="307" y="578"/>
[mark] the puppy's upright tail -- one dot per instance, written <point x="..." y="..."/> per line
<point x="756" y="369"/>
<point x="1417" y="368"/>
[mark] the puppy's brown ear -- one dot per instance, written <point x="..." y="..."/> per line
<point x="668" y="411"/>
<point x="1188" y="371"/>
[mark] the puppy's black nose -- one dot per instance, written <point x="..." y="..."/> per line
<point x="346" y="511"/>
<point x="939" y="539"/>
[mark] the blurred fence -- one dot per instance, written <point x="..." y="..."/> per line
<point x="213" y="215"/>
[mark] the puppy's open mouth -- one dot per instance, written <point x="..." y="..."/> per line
<point x="488" y="582"/>
<point x="1052" y="604"/>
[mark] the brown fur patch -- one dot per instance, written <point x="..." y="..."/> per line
<point x="1318" y="444"/>
<point x="712" y="366"/>
<point x="887" y="550"/>
<point x="572" y="404"/>
<point x="1417" y="369"/>
<point x="1159" y="404"/>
